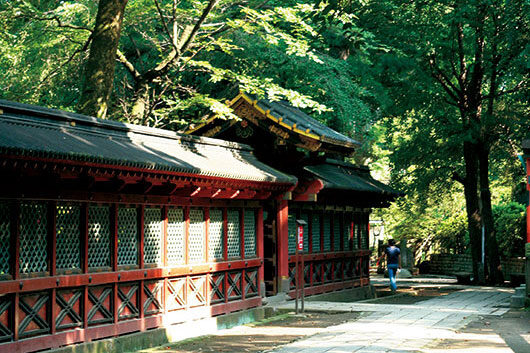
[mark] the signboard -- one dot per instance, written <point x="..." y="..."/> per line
<point x="300" y="238"/>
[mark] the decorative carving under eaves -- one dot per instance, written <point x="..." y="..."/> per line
<point x="278" y="131"/>
<point x="247" y="111"/>
<point x="212" y="132"/>
<point x="309" y="144"/>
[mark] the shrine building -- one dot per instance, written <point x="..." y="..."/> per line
<point x="332" y="196"/>
<point x="108" y="228"/>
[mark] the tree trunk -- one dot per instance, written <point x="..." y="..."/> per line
<point x="140" y="104"/>
<point x="98" y="76"/>
<point x="493" y="262"/>
<point x="474" y="223"/>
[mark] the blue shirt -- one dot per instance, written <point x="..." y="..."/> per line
<point x="392" y="255"/>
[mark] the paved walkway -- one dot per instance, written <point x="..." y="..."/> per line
<point x="400" y="328"/>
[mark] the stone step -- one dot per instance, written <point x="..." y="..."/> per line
<point x="520" y="291"/>
<point x="517" y="301"/>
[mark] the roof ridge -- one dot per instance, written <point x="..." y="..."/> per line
<point x="110" y="125"/>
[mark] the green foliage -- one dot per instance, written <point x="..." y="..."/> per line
<point x="510" y="224"/>
<point x="40" y="50"/>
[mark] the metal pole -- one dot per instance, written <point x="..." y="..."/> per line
<point x="296" y="281"/>
<point x="302" y="279"/>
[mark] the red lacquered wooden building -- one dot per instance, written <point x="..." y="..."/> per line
<point x="332" y="196"/>
<point x="108" y="228"/>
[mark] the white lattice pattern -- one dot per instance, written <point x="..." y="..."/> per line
<point x="175" y="236"/>
<point x="153" y="236"/>
<point x="68" y="232"/>
<point x="234" y="233"/>
<point x="249" y="228"/>
<point x="127" y="236"/>
<point x="5" y="234"/>
<point x="215" y="235"/>
<point x="316" y="232"/>
<point x="196" y="236"/>
<point x="33" y="242"/>
<point x="98" y="236"/>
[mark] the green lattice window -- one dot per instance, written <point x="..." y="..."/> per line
<point x="249" y="230"/>
<point x="68" y="233"/>
<point x="127" y="236"/>
<point x="336" y="232"/>
<point x="196" y="236"/>
<point x="215" y="235"/>
<point x="315" y="232"/>
<point x="175" y="236"/>
<point x="356" y="235"/>
<point x="291" y="225"/>
<point x="33" y="237"/>
<point x="327" y="232"/>
<point x="99" y="236"/>
<point x="5" y="234"/>
<point x="364" y="235"/>
<point x="153" y="236"/>
<point x="234" y="233"/>
<point x="346" y="235"/>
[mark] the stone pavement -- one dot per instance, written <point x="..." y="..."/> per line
<point x="400" y="328"/>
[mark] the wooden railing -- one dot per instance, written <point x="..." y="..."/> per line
<point x="325" y="272"/>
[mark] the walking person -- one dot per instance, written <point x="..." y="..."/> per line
<point x="393" y="262"/>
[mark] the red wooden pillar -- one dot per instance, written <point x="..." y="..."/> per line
<point x="114" y="262"/>
<point x="242" y="232"/>
<point x="141" y="220"/>
<point x="282" y="254"/>
<point x="225" y="250"/>
<point x="206" y="253"/>
<point x="15" y="262"/>
<point x="242" y="243"/>
<point x="84" y="250"/>
<point x="186" y="234"/>
<point x="141" y="227"/>
<point x="52" y="246"/>
<point x="260" y="250"/>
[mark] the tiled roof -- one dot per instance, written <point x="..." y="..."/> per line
<point x="300" y="121"/>
<point x="33" y="131"/>
<point x="345" y="176"/>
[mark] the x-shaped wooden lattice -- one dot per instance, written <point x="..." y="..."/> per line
<point x="338" y="271"/>
<point x="251" y="287"/>
<point x="99" y="306"/>
<point x="152" y="298"/>
<point x="5" y="333"/>
<point x="196" y="294"/>
<point x="233" y="285"/>
<point x="126" y="302"/>
<point x="217" y="288"/>
<point x="317" y="273"/>
<point x="67" y="309"/>
<point x="32" y="315"/>
<point x="328" y="271"/>
<point x="176" y="299"/>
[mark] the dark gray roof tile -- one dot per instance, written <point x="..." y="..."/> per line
<point x="47" y="133"/>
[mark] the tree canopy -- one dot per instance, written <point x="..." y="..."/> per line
<point x="436" y="91"/>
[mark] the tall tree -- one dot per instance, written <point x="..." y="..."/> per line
<point x="98" y="76"/>
<point x="474" y="51"/>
